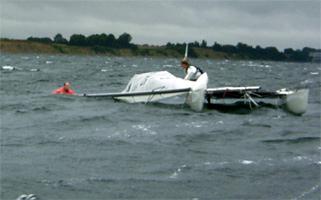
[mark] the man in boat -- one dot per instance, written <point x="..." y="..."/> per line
<point x="192" y="72"/>
<point x="65" y="89"/>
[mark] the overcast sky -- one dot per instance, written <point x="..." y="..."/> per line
<point x="280" y="23"/>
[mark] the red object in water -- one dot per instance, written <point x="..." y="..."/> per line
<point x="62" y="90"/>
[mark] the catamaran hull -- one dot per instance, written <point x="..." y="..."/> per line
<point x="297" y="102"/>
<point x="196" y="97"/>
<point x="294" y="101"/>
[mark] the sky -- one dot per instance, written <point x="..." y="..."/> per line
<point x="280" y="23"/>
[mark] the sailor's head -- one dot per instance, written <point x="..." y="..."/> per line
<point x="184" y="63"/>
<point x="66" y="85"/>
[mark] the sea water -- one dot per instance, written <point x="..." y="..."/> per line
<point x="70" y="147"/>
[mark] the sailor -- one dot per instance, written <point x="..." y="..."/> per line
<point x="65" y="89"/>
<point x="192" y="72"/>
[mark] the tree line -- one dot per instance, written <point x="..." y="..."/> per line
<point x="248" y="52"/>
<point x="103" y="42"/>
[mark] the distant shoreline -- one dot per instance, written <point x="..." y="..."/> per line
<point x="24" y="46"/>
<point x="32" y="47"/>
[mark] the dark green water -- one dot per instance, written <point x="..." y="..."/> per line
<point x="60" y="147"/>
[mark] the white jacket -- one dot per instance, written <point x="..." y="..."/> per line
<point x="192" y="73"/>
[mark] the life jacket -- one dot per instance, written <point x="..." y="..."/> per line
<point x="61" y="90"/>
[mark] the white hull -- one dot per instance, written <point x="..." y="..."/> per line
<point x="297" y="102"/>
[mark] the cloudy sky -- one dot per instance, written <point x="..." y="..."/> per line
<point x="280" y="23"/>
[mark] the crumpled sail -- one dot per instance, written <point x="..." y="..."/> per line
<point x="153" y="82"/>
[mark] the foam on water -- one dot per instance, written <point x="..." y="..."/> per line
<point x="168" y="66"/>
<point x="27" y="197"/>
<point x="144" y="128"/>
<point x="246" y="162"/>
<point x="177" y="172"/>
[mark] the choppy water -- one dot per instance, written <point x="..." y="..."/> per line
<point x="60" y="147"/>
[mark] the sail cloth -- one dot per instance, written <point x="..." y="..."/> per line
<point x="165" y="81"/>
<point x="155" y="81"/>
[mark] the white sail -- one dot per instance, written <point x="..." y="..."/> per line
<point x="164" y="81"/>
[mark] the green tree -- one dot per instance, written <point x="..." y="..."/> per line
<point x="111" y="41"/>
<point x="93" y="40"/>
<point x="60" y="39"/>
<point x="78" y="40"/>
<point x="194" y="44"/>
<point x="217" y="47"/>
<point x="204" y="44"/>
<point x="272" y="53"/>
<point x="124" y="40"/>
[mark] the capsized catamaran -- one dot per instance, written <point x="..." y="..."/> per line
<point x="157" y="86"/>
